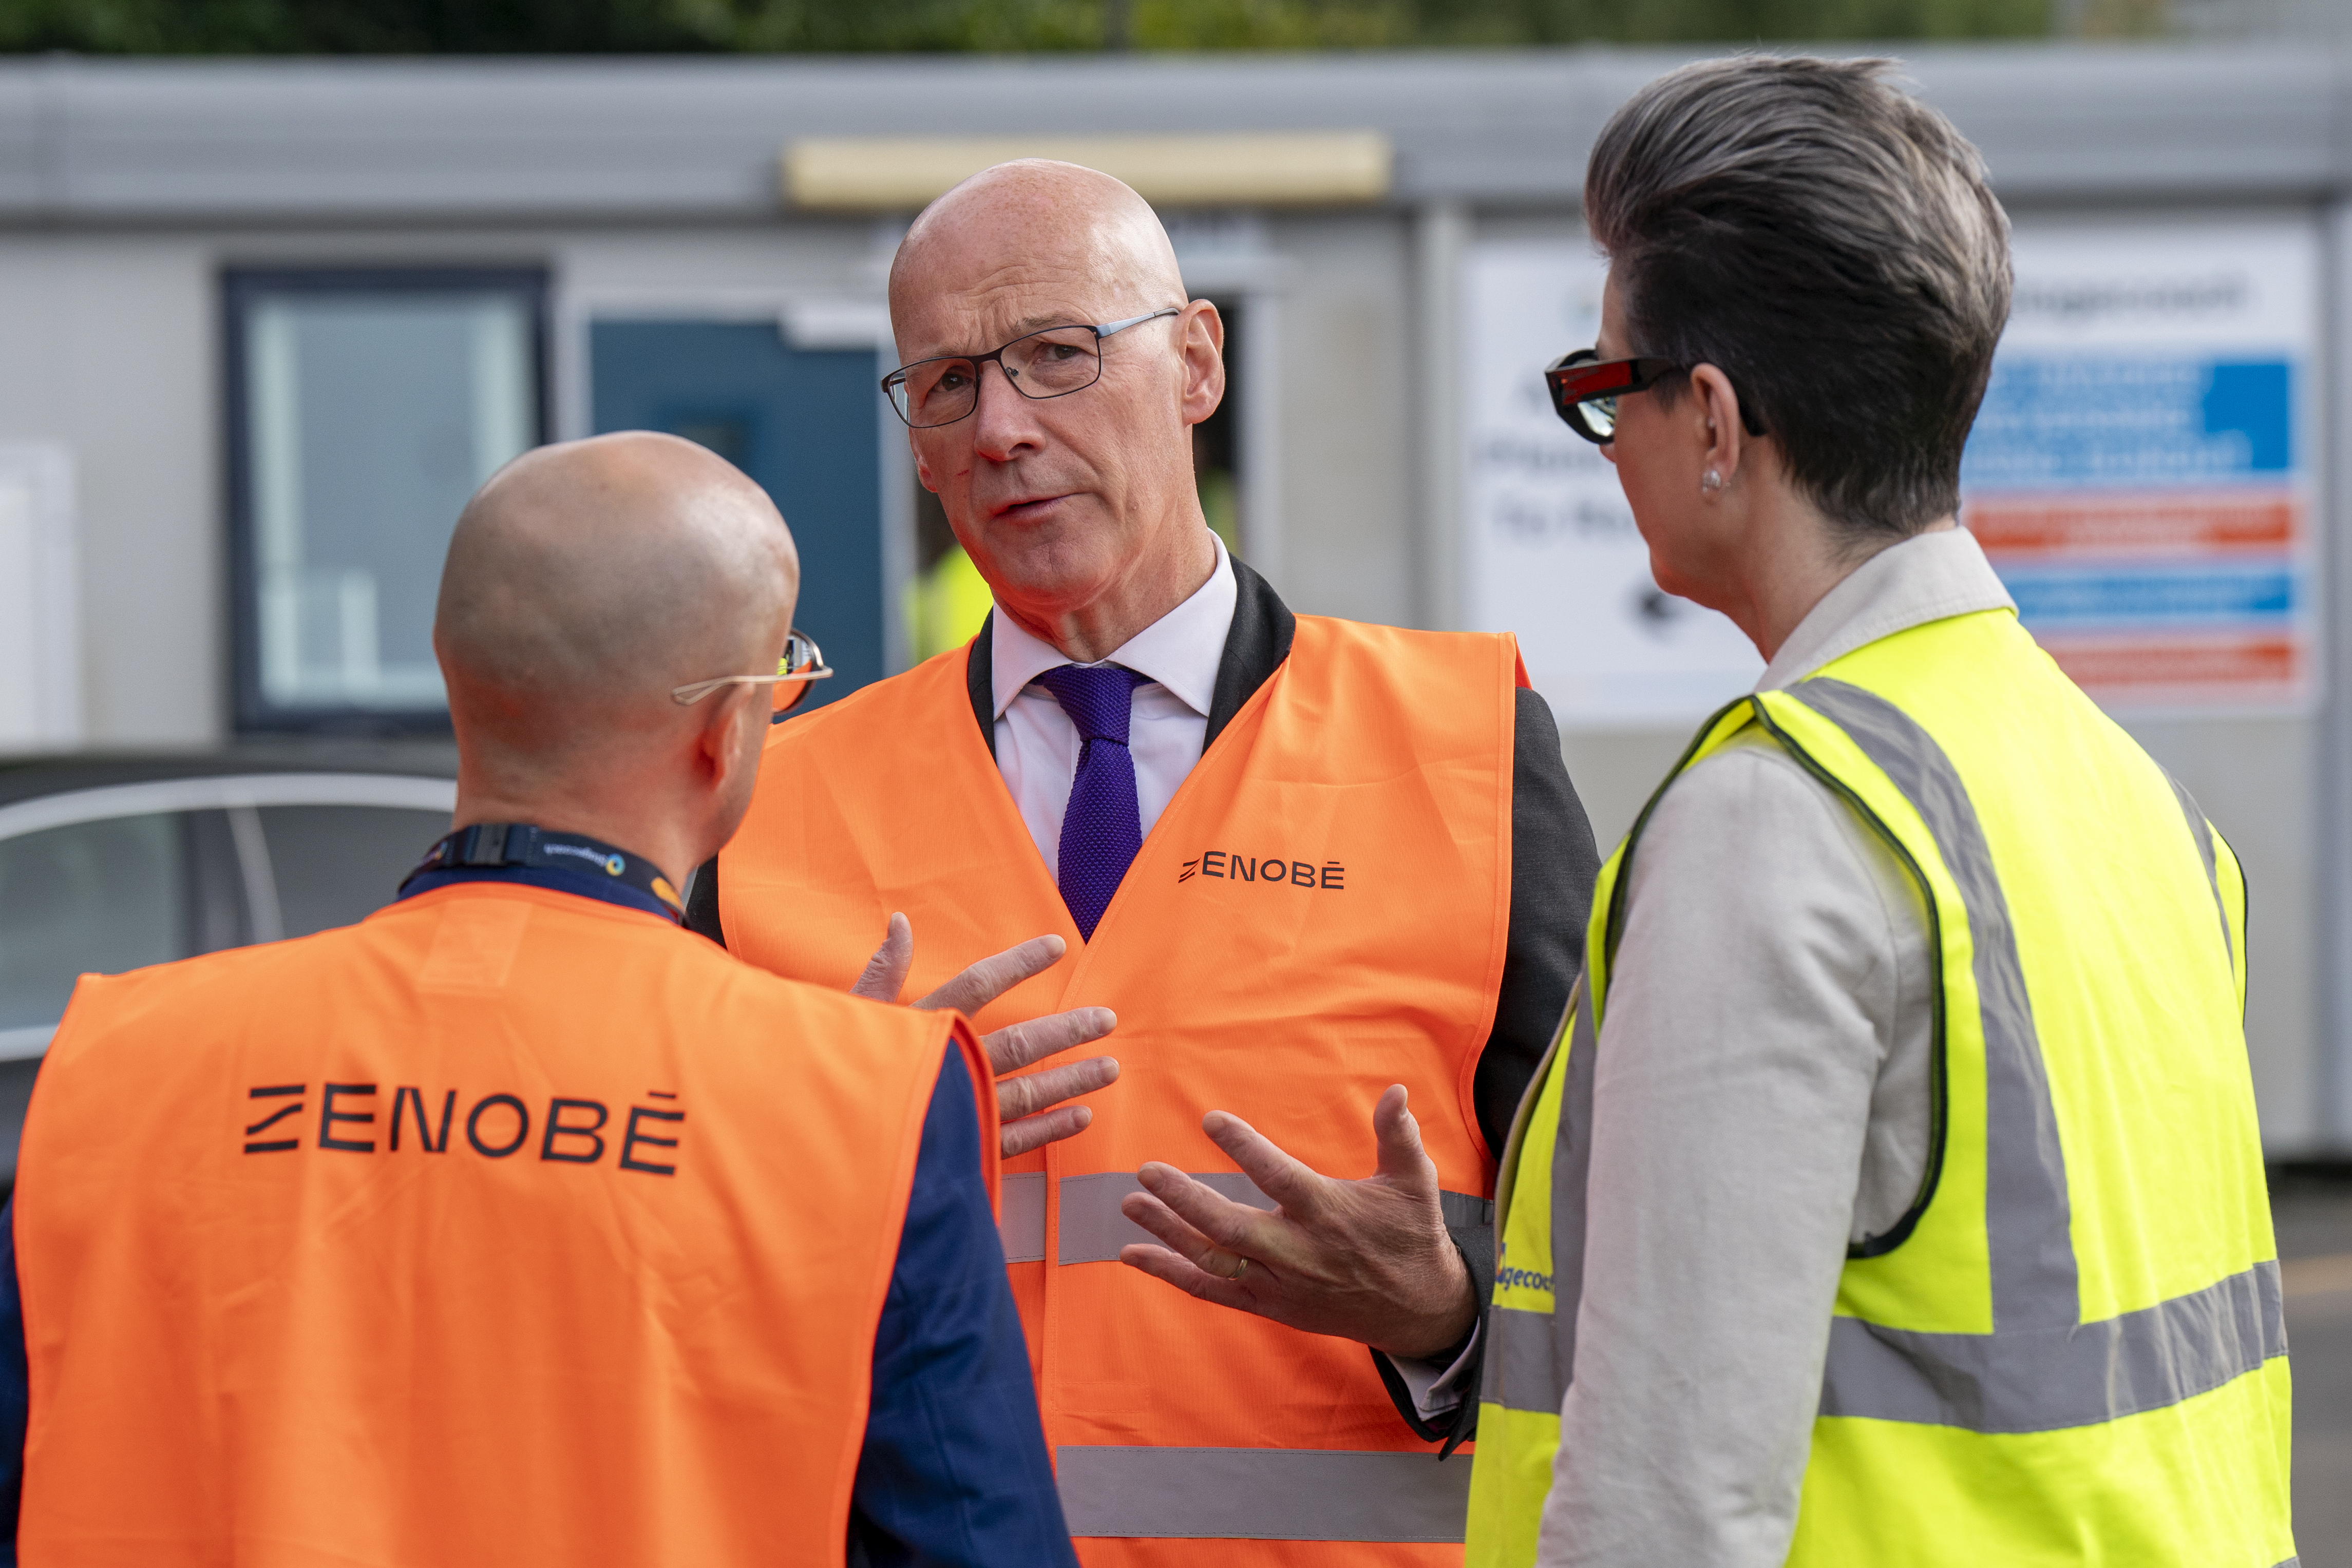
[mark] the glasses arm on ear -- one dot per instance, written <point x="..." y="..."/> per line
<point x="688" y="695"/>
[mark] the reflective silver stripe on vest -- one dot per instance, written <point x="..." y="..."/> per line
<point x="2027" y="1210"/>
<point x="2200" y="830"/>
<point x="1092" y="1230"/>
<point x="1524" y="1369"/>
<point x="2039" y="1380"/>
<point x="2042" y="1368"/>
<point x="1021" y="1225"/>
<point x="1262" y="1494"/>
<point x="1530" y="1363"/>
<point x="1463" y="1212"/>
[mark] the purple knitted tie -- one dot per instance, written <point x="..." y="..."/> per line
<point x="1103" y="827"/>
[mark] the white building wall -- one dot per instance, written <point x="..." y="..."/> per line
<point x="106" y="348"/>
<point x="1346" y="445"/>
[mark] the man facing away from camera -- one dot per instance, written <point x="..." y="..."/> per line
<point x="515" y="1225"/>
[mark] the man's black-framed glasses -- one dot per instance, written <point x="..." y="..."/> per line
<point x="1053" y="362"/>
<point x="1585" y="389"/>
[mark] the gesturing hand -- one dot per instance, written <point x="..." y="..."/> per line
<point x="1367" y="1261"/>
<point x="1031" y="1107"/>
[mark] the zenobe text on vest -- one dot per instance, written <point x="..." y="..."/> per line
<point x="572" y="1131"/>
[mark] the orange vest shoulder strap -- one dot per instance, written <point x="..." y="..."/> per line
<point x="862" y="809"/>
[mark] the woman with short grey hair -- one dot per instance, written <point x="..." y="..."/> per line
<point x="1895" y="1193"/>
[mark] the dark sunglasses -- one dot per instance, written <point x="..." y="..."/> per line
<point x="1585" y="389"/>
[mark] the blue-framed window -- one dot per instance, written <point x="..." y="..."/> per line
<point x="364" y="407"/>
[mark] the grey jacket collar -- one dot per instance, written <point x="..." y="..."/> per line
<point x="1927" y="577"/>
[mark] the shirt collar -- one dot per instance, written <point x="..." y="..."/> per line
<point x="1927" y="577"/>
<point x="1180" y="651"/>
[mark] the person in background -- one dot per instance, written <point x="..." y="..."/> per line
<point x="1896" y="1194"/>
<point x="947" y="604"/>
<point x="516" y="1224"/>
<point x="1301" y="861"/>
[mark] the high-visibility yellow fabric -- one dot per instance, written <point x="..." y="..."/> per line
<point x="2070" y="1349"/>
<point x="946" y="604"/>
<point x="1508" y="1490"/>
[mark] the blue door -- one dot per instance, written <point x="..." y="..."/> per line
<point x="802" y="423"/>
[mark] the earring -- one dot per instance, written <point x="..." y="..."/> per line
<point x="1710" y="481"/>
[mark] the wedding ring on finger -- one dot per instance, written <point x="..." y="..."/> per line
<point x="1241" y="1267"/>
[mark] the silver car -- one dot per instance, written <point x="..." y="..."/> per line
<point x="110" y="864"/>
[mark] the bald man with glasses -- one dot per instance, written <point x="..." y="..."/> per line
<point x="1297" y="861"/>
<point x="514" y="1226"/>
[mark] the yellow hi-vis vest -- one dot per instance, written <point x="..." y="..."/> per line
<point x="2070" y="1349"/>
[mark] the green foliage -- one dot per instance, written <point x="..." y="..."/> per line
<point x="344" y="26"/>
<point x="1354" y="24"/>
<point x="653" y="26"/>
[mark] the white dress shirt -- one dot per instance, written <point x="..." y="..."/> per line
<point x="1037" y="746"/>
<point x="1761" y="1099"/>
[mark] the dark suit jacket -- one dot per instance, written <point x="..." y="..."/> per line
<point x="1553" y="864"/>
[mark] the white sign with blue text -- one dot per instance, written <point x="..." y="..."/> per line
<point x="2140" y="472"/>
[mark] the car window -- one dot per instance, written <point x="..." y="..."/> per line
<point x="106" y="896"/>
<point x="336" y="865"/>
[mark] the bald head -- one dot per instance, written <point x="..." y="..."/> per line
<point x="586" y="579"/>
<point x="1080" y="509"/>
<point x="1030" y="226"/>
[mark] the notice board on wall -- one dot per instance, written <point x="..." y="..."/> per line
<point x="2141" y="471"/>
<point x="1551" y="550"/>
<point x="2141" y="474"/>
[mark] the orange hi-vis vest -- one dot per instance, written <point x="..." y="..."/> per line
<point x="505" y="1227"/>
<point x="1320" y="912"/>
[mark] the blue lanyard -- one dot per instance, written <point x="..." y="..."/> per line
<point x="565" y="863"/>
